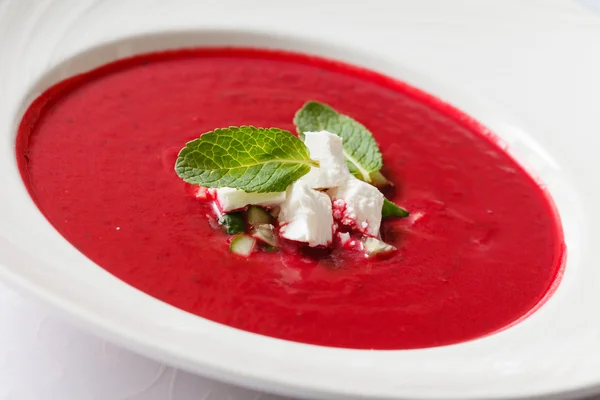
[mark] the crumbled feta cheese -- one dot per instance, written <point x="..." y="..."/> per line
<point x="348" y="242"/>
<point x="344" y="237"/>
<point x="326" y="148"/>
<point x="357" y="204"/>
<point x="201" y="193"/>
<point x="229" y="199"/>
<point x="306" y="216"/>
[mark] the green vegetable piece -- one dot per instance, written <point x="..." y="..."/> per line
<point x="233" y="223"/>
<point x="247" y="158"/>
<point x="266" y="234"/>
<point x="258" y="216"/>
<point x="269" y="248"/>
<point x="360" y="149"/>
<point x="390" y="209"/>
<point x="242" y="245"/>
<point x="375" y="247"/>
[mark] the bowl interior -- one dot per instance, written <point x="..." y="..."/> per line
<point x="533" y="357"/>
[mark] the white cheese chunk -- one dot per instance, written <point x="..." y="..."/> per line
<point x="344" y="238"/>
<point x="357" y="205"/>
<point x="229" y="199"/>
<point x="306" y="216"/>
<point x="326" y="148"/>
<point x="374" y="247"/>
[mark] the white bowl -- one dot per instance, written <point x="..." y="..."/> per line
<point x="527" y="70"/>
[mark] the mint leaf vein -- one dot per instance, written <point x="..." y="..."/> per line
<point x="247" y="158"/>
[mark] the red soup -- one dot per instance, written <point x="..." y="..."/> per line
<point x="482" y="248"/>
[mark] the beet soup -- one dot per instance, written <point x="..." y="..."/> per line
<point x="482" y="248"/>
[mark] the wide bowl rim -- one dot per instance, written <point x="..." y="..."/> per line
<point x="286" y="367"/>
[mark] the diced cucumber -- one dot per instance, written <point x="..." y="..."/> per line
<point x="266" y="234"/>
<point x="258" y="216"/>
<point x="242" y="244"/>
<point x="374" y="247"/>
<point x="233" y="222"/>
<point x="268" y="248"/>
<point x="274" y="211"/>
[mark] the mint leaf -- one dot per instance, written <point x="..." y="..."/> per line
<point x="390" y="209"/>
<point x="360" y="149"/>
<point x="362" y="155"/>
<point x="247" y="158"/>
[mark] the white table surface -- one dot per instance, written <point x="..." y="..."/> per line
<point x="43" y="357"/>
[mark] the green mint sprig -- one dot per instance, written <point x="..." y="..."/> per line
<point x="360" y="149"/>
<point x="361" y="152"/>
<point x="247" y="158"/>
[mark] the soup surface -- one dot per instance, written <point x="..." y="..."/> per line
<point x="481" y="249"/>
